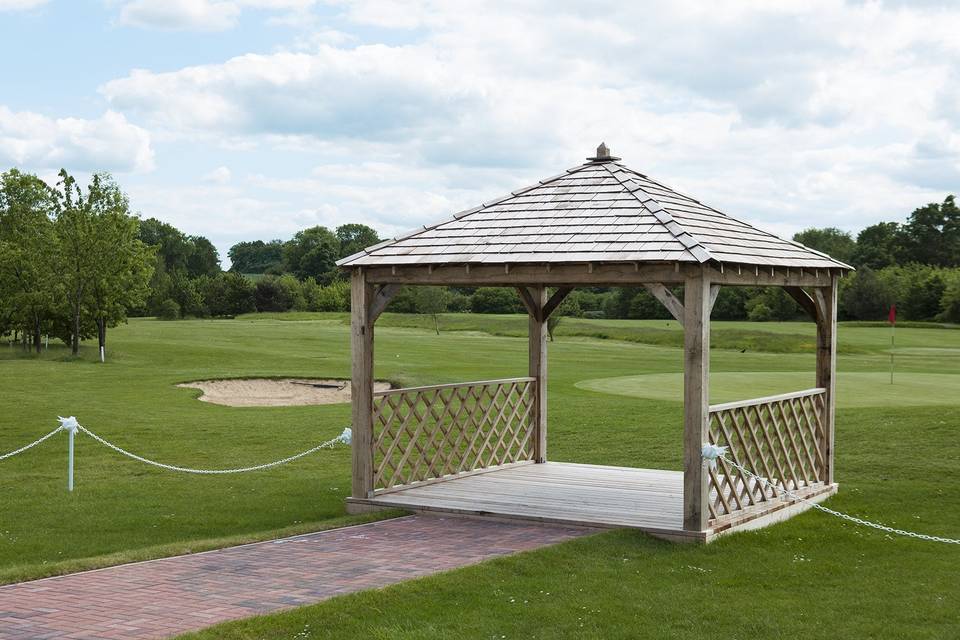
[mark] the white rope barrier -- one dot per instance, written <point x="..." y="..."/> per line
<point x="31" y="445"/>
<point x="342" y="438"/>
<point x="711" y="453"/>
<point x="71" y="426"/>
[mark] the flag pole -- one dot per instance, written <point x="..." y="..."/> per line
<point x="893" y="331"/>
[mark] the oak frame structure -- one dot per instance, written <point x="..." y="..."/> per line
<point x="599" y="224"/>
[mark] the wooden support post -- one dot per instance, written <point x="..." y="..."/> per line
<point x="696" y="399"/>
<point x="361" y="390"/>
<point x="538" y="369"/>
<point x="826" y="301"/>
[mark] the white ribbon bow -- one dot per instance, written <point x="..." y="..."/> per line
<point x="68" y="424"/>
<point x="711" y="452"/>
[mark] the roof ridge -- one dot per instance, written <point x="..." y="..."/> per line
<point x="684" y="237"/>
<point x="457" y="216"/>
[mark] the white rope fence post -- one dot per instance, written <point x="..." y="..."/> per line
<point x="711" y="453"/>
<point x="70" y="425"/>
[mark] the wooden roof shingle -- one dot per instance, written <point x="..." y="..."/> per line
<point x="600" y="211"/>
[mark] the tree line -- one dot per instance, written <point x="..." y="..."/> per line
<point x="75" y="261"/>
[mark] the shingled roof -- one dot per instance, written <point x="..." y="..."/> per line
<point x="600" y="211"/>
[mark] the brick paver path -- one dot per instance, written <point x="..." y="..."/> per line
<point x="161" y="598"/>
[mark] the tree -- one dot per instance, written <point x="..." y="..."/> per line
<point x="228" y="294"/>
<point x="74" y="230"/>
<point x="256" y="257"/>
<point x="878" y="246"/>
<point x="932" y="234"/>
<point x="173" y="247"/>
<point x="110" y="267"/>
<point x="495" y="300"/>
<point x="28" y="281"/>
<point x="312" y="253"/>
<point x="355" y="238"/>
<point x="863" y="296"/>
<point x="432" y="301"/>
<point x="203" y="260"/>
<point x="830" y="240"/>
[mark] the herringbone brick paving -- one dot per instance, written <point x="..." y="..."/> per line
<point x="161" y="598"/>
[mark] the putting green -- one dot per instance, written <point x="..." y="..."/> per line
<point x="854" y="389"/>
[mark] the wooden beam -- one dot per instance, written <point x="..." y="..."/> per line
<point x="696" y="400"/>
<point x="555" y="301"/>
<point x="569" y="274"/>
<point x="714" y="292"/>
<point x="361" y="389"/>
<point x="666" y="297"/>
<point x="804" y="300"/>
<point x="756" y="277"/>
<point x="826" y="302"/>
<point x="526" y="296"/>
<point x="383" y="296"/>
<point x="537" y="351"/>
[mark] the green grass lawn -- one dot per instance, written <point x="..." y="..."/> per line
<point x="812" y="576"/>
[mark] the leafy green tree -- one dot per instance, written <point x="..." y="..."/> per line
<point x="932" y="234"/>
<point x="228" y="294"/>
<point x="312" y="253"/>
<point x="431" y="301"/>
<point x="204" y="260"/>
<point x="168" y="310"/>
<point x="29" y="284"/>
<point x="256" y="257"/>
<point x="109" y="267"/>
<point x="173" y="246"/>
<point x="950" y="302"/>
<point x="495" y="300"/>
<point x="354" y="238"/>
<point x="830" y="240"/>
<point x="878" y="246"/>
<point x="333" y="297"/>
<point x="864" y="297"/>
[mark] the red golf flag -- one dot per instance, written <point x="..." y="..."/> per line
<point x="892" y="319"/>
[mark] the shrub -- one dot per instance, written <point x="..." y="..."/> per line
<point x="495" y="300"/>
<point x="760" y="312"/>
<point x="333" y="297"/>
<point x="168" y="310"/>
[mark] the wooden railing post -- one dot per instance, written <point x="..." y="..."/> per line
<point x="537" y="349"/>
<point x="696" y="398"/>
<point x="361" y="390"/>
<point x="826" y="301"/>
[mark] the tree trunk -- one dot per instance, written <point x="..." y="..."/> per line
<point x="436" y="323"/>
<point x="37" y="342"/>
<point x="102" y="337"/>
<point x="75" y="341"/>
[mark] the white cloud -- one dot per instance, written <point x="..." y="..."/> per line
<point x="108" y="143"/>
<point x="813" y="112"/>
<point x="220" y="175"/>
<point x="21" y="5"/>
<point x="199" y="15"/>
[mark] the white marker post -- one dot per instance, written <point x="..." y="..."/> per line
<point x="70" y="424"/>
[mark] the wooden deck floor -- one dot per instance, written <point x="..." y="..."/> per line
<point x="584" y="494"/>
<point x="581" y="494"/>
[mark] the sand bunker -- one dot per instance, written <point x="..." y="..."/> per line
<point x="287" y="392"/>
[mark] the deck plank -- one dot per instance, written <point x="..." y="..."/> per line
<point x="556" y="491"/>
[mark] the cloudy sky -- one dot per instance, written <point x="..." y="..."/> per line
<point x="247" y="119"/>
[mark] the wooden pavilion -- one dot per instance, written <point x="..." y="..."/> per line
<point x="481" y="447"/>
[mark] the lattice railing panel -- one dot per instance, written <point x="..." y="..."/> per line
<point x="424" y="433"/>
<point x="779" y="438"/>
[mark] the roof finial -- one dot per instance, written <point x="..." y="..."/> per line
<point x="603" y="154"/>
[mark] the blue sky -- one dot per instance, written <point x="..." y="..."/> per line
<point x="247" y="119"/>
